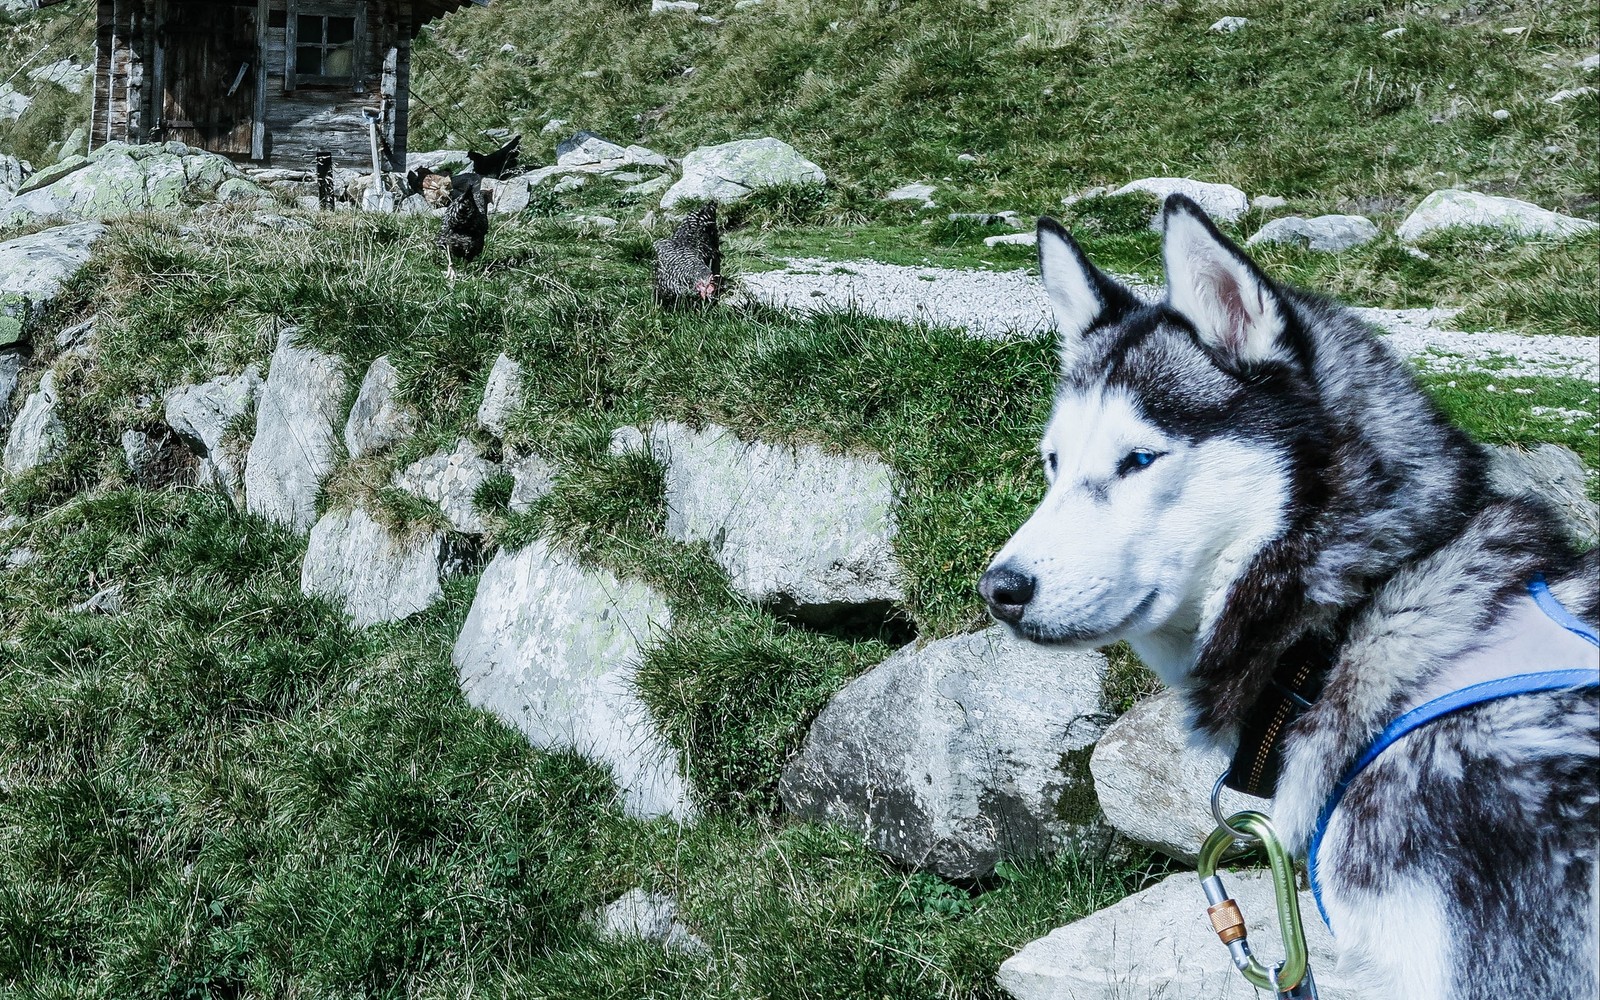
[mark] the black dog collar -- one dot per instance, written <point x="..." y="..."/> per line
<point x="1296" y="683"/>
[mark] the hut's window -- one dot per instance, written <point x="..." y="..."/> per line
<point x="325" y="48"/>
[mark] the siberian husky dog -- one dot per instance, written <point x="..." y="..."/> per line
<point x="1248" y="486"/>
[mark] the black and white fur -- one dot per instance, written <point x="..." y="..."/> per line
<point x="1243" y="466"/>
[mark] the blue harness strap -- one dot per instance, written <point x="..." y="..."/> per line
<point x="1455" y="701"/>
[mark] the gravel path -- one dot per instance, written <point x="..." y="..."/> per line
<point x="999" y="304"/>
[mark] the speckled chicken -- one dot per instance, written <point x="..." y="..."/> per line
<point x="688" y="268"/>
<point x="466" y="221"/>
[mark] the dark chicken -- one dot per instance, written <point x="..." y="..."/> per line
<point x="688" y="267"/>
<point x="466" y="221"/>
<point x="496" y="164"/>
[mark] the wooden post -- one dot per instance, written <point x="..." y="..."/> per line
<point x="324" y="180"/>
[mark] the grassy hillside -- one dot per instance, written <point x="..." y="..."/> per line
<point x="31" y="40"/>
<point x="1308" y="101"/>
<point x="227" y="791"/>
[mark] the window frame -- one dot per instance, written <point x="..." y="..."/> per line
<point x="355" y="13"/>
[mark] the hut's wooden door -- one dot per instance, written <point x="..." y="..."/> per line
<point x="207" y="63"/>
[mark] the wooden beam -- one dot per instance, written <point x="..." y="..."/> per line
<point x="258" y="130"/>
<point x="158" y="75"/>
<point x="360" y="44"/>
<point x="291" y="38"/>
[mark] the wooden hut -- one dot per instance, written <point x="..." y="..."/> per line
<point x="270" y="81"/>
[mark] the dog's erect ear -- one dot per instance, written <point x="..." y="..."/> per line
<point x="1210" y="281"/>
<point x="1081" y="295"/>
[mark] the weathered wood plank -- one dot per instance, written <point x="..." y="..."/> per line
<point x="258" y="130"/>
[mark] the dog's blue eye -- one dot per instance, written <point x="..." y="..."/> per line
<point x="1139" y="458"/>
<point x="1050" y="463"/>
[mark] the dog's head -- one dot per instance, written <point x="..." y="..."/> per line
<point x="1168" y="455"/>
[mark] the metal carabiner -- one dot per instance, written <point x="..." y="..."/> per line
<point x="1291" y="978"/>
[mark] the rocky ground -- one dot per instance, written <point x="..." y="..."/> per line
<point x="365" y="627"/>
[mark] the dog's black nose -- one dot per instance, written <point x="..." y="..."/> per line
<point x="1008" y="593"/>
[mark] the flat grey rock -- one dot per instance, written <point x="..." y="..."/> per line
<point x="436" y="160"/>
<point x="806" y="531"/>
<point x="379" y="418"/>
<point x="374" y="575"/>
<point x="1325" y="232"/>
<point x="1159" y="945"/>
<point x="65" y="73"/>
<point x="107" y="601"/>
<point x="37" y="435"/>
<point x="33" y="269"/>
<point x="552" y="648"/>
<point x="917" y="192"/>
<point x="500" y="395"/>
<point x="1222" y="202"/>
<point x="202" y="415"/>
<point x="13" y="103"/>
<point x="586" y="147"/>
<point x="296" y="443"/>
<point x="730" y="172"/>
<point x="1554" y="472"/>
<point x="1452" y="208"/>
<point x="959" y="754"/>
<point x="646" y="916"/>
<point x="450" y="480"/>
<point x="1154" y="785"/>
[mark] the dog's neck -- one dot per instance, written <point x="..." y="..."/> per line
<point x="1417" y="624"/>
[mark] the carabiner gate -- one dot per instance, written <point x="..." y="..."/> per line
<point x="1292" y="978"/>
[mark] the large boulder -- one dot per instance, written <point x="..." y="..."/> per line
<point x="119" y="179"/>
<point x="806" y="531"/>
<point x="37" y="435"/>
<point x="1154" y="784"/>
<point x="32" y="270"/>
<point x="1453" y="208"/>
<point x="379" y="418"/>
<point x="959" y="754"/>
<point x="296" y="443"/>
<point x="1555" y="473"/>
<point x="732" y="171"/>
<point x="203" y="416"/>
<point x="373" y="574"/>
<point x="450" y="480"/>
<point x="552" y="648"/>
<point x="1325" y="232"/>
<point x="1222" y="202"/>
<point x="1158" y="945"/>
